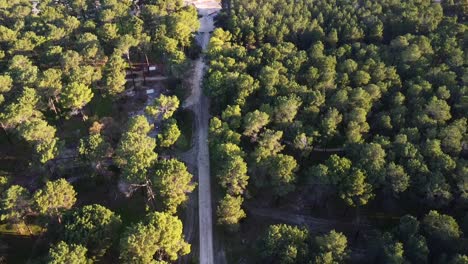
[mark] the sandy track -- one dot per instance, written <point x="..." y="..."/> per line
<point x="205" y="217"/>
<point x="200" y="106"/>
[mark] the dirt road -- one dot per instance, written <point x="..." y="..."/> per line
<point x="203" y="164"/>
<point x="199" y="104"/>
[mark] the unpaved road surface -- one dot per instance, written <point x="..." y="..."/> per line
<point x="199" y="104"/>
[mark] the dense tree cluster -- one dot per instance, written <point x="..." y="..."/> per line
<point x="365" y="98"/>
<point x="436" y="236"/>
<point x="290" y="244"/>
<point x="411" y="241"/>
<point x="230" y="168"/>
<point x="64" y="253"/>
<point x="172" y="182"/>
<point x="135" y="152"/>
<point x="163" y="108"/>
<point x="61" y="62"/>
<point x="52" y="200"/>
<point x="58" y="56"/>
<point x="158" y="237"/>
<point x="93" y="226"/>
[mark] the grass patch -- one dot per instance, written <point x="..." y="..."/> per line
<point x="185" y="123"/>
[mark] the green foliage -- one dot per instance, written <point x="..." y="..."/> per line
<point x="135" y="152"/>
<point x="281" y="169"/>
<point x="414" y="245"/>
<point x="22" y="70"/>
<point x="417" y="249"/>
<point x="285" y="244"/>
<point x="254" y="122"/>
<point x="76" y="95"/>
<point x="408" y="227"/>
<point x="6" y="83"/>
<point x="3" y="183"/>
<point x="392" y="251"/>
<point x="351" y="182"/>
<point x="330" y="122"/>
<point x="452" y="136"/>
<point x="93" y="148"/>
<point x="164" y="106"/>
<point x="381" y="83"/>
<point x="338" y="75"/>
<point x="331" y="248"/>
<point x="232" y="174"/>
<point x="55" y="198"/>
<point x="286" y="109"/>
<point x="218" y="39"/>
<point x="159" y="238"/>
<point x="221" y="133"/>
<point x="50" y="83"/>
<point x="230" y="212"/>
<point x="15" y="204"/>
<point x="89" y="46"/>
<point x="173" y="25"/>
<point x="269" y="145"/>
<point x="25" y="108"/>
<point x="303" y="143"/>
<point x="459" y="259"/>
<point x="114" y="74"/>
<point x="172" y="182"/>
<point x="93" y="226"/>
<point x="440" y="227"/>
<point x="59" y="53"/>
<point x="42" y="136"/>
<point x="437" y="111"/>
<point x="70" y="60"/>
<point x="372" y="161"/>
<point x="65" y="253"/>
<point x="398" y="180"/>
<point x="232" y="115"/>
<point x="338" y="167"/>
<point x="170" y="133"/>
<point x="354" y="189"/>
